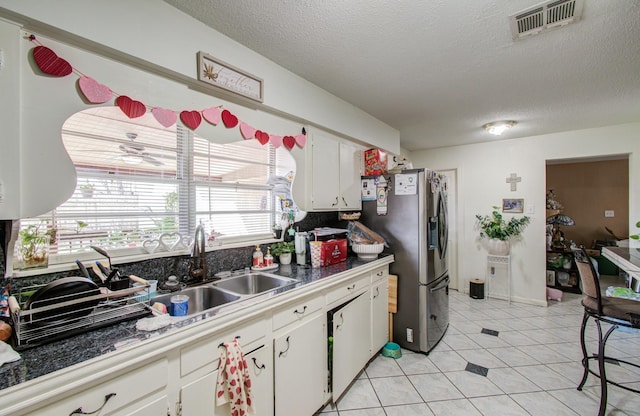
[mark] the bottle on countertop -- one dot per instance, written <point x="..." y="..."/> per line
<point x="268" y="258"/>
<point x="258" y="258"/>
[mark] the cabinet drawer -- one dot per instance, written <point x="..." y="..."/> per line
<point x="296" y="311"/>
<point x="116" y="393"/>
<point x="349" y="289"/>
<point x="379" y="274"/>
<point x="206" y="352"/>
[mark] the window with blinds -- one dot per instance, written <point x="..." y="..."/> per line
<point x="137" y="180"/>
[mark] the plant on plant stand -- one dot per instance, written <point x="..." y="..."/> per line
<point x="499" y="231"/>
<point x="284" y="250"/>
<point x="32" y="247"/>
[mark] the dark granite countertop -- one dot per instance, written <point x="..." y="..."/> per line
<point x="38" y="361"/>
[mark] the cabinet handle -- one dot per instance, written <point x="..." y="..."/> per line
<point x="345" y="202"/>
<point x="341" y="322"/>
<point x="335" y="203"/>
<point x="222" y="343"/>
<point x="255" y="362"/>
<point x="353" y="286"/>
<point x="377" y="293"/>
<point x="281" y="353"/>
<point x="380" y="273"/>
<point x="79" y="410"/>
<point x="303" y="311"/>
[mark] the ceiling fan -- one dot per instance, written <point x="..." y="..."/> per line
<point x="134" y="153"/>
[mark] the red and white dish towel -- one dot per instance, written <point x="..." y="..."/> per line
<point x="234" y="383"/>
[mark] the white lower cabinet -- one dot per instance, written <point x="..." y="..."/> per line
<point x="300" y="358"/>
<point x="351" y="326"/>
<point x="140" y="391"/>
<point x="197" y="398"/>
<point x="379" y="314"/>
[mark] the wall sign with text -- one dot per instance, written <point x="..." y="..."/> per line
<point x="222" y="75"/>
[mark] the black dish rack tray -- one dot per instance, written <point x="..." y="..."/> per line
<point x="41" y="325"/>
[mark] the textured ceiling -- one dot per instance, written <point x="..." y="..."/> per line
<point x="437" y="70"/>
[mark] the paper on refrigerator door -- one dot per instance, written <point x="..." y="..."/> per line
<point x="406" y="184"/>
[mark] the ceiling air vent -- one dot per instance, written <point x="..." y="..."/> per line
<point x="545" y="16"/>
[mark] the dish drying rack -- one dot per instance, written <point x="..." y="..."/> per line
<point x="43" y="324"/>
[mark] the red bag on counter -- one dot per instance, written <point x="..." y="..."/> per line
<point x="333" y="251"/>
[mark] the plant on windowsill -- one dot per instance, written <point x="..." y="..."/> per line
<point x="499" y="231"/>
<point x="87" y="189"/>
<point x="283" y="250"/>
<point x="32" y="247"/>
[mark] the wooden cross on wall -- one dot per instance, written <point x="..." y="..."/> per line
<point x="513" y="179"/>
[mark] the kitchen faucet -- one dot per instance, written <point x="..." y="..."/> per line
<point x="197" y="262"/>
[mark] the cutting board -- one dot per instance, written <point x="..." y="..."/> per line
<point x="393" y="293"/>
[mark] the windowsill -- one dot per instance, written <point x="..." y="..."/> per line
<point x="92" y="256"/>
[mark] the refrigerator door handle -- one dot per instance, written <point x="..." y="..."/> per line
<point x="440" y="287"/>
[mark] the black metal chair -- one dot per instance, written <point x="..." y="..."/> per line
<point x="616" y="312"/>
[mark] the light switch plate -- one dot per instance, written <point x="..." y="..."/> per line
<point x="531" y="209"/>
<point x="609" y="213"/>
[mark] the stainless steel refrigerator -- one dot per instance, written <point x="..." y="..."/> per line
<point x="410" y="212"/>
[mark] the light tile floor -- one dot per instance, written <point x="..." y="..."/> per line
<point x="533" y="367"/>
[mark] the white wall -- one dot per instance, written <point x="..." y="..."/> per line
<point x="482" y="172"/>
<point x="145" y="49"/>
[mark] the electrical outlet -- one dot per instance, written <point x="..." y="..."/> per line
<point x="409" y="335"/>
<point x="609" y="213"/>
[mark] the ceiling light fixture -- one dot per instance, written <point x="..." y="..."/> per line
<point x="498" y="127"/>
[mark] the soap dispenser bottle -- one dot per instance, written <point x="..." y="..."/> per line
<point x="268" y="258"/>
<point x="258" y="258"/>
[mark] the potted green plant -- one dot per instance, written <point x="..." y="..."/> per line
<point x="87" y="189"/>
<point x="284" y="250"/>
<point x="499" y="231"/>
<point x="32" y="247"/>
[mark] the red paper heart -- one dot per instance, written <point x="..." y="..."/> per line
<point x="229" y="119"/>
<point x="165" y="117"/>
<point x="131" y="108"/>
<point x="262" y="137"/>
<point x="191" y="119"/>
<point x="289" y="142"/>
<point x="246" y="130"/>
<point x="301" y="139"/>
<point x="93" y="91"/>
<point x="212" y="115"/>
<point x="276" y="141"/>
<point x="50" y="63"/>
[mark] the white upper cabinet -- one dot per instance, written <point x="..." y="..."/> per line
<point x="335" y="174"/>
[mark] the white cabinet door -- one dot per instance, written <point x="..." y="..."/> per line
<point x="379" y="315"/>
<point x="326" y="172"/>
<point x="300" y="358"/>
<point x="261" y="372"/>
<point x="158" y="407"/>
<point x="350" y="172"/>
<point x="351" y="342"/>
<point x="198" y="397"/>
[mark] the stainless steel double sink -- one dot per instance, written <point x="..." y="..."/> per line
<point x="230" y="289"/>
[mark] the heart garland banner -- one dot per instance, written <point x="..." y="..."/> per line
<point x="96" y="93"/>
